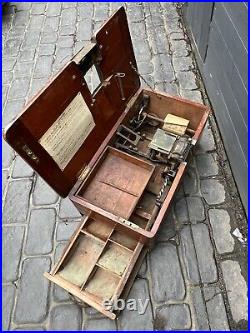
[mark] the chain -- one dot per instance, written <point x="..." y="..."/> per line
<point x="133" y="67"/>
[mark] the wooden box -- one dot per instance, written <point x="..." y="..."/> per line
<point x="86" y="145"/>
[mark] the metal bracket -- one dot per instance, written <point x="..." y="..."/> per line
<point x="124" y="132"/>
<point x="30" y="153"/>
<point x="119" y="77"/>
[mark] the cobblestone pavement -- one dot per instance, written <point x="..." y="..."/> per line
<point x="195" y="280"/>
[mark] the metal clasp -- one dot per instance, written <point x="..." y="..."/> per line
<point x="119" y="76"/>
<point x="30" y="153"/>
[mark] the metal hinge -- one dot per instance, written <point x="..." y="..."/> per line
<point x="30" y="153"/>
<point x="128" y="223"/>
<point x="84" y="172"/>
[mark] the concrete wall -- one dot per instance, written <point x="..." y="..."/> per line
<point x="219" y="33"/>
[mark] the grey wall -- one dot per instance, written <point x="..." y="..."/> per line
<point x="219" y="32"/>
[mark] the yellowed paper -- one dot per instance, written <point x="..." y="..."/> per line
<point x="175" y="124"/>
<point x="64" y="138"/>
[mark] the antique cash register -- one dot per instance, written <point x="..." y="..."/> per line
<point x="118" y="153"/>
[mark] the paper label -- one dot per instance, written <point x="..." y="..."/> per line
<point x="64" y="138"/>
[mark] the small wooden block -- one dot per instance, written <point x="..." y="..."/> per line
<point x="174" y="124"/>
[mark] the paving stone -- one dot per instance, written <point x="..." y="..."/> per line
<point x="21" y="168"/>
<point x="62" y="56"/>
<point x="236" y="288"/>
<point x="170" y="10"/>
<point x="176" y="35"/>
<point x="51" y="24"/>
<point x="173" y="317"/>
<point x="59" y="250"/>
<point x="148" y="81"/>
<point x="101" y="11"/>
<point x="43" y="67"/>
<point x="65" y="230"/>
<point x="68" y="210"/>
<point x="23" y="70"/>
<point x="136" y="320"/>
<point x="190" y="181"/>
<point x="166" y="273"/>
<point x="187" y="80"/>
<point x="159" y="86"/>
<point x="84" y="30"/>
<point x="23" y="5"/>
<point x="68" y="16"/>
<point x="145" y="67"/>
<point x="142" y="51"/>
<point x="157" y="19"/>
<point x="216" y="310"/>
<point x="49" y="37"/>
<point x="36" y="23"/>
<point x="195" y="209"/>
<point x="17" y="201"/>
<point x="37" y="85"/>
<point x="5" y="90"/>
<point x="204" y="249"/>
<point x="174" y="25"/>
<point x="163" y="63"/>
<point x="8" y="63"/>
<point x="7" y="78"/>
<point x="26" y="55"/>
<point x="42" y="223"/>
<point x="29" y="328"/>
<point x="47" y="49"/>
<point x="60" y="295"/>
<point x="7" y="305"/>
<point x="181" y="210"/>
<point x="12" y="46"/>
<point x="53" y="8"/>
<point x="189" y="255"/>
<point x="31" y="40"/>
<point x="15" y="33"/>
<point x="206" y="141"/>
<point x="200" y="314"/>
<point x="138" y="31"/>
<point x="213" y="191"/>
<point x="168" y="227"/>
<point x="65" y="318"/>
<point x="11" y="110"/>
<point x="67" y="30"/>
<point x="38" y="8"/>
<point x="7" y="155"/>
<point x="85" y="10"/>
<point x="193" y="95"/>
<point x="135" y="14"/>
<point x="100" y="324"/>
<point x="220" y="222"/>
<point x="158" y="41"/>
<point x="5" y="175"/>
<point x="32" y="295"/>
<point x="171" y="88"/>
<point x="143" y="269"/>
<point x="69" y="4"/>
<point x="20" y="18"/>
<point x="65" y="41"/>
<point x="207" y="165"/>
<point x="163" y="76"/>
<point x="182" y="64"/>
<point x="210" y="291"/>
<point x="179" y="48"/>
<point x="19" y="88"/>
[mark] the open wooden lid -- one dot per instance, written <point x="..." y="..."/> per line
<point x="61" y="129"/>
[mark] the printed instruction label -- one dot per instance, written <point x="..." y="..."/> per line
<point x="64" y="138"/>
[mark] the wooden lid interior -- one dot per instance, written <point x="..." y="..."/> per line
<point x="112" y="54"/>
